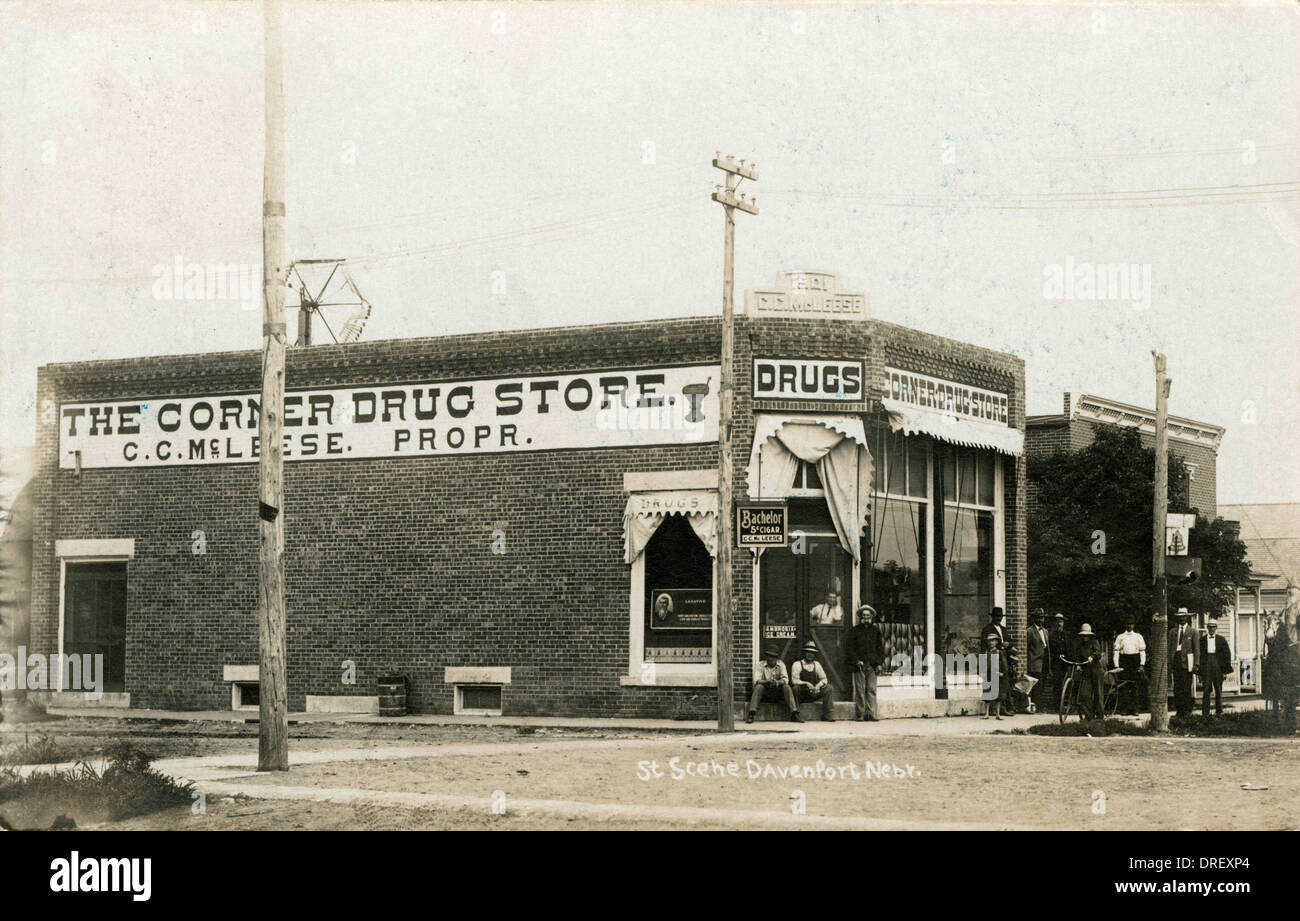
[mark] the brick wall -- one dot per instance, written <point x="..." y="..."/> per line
<point x="388" y="562"/>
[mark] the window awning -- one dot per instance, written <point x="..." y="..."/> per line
<point x="837" y="445"/>
<point x="912" y="420"/>
<point x="645" y="511"/>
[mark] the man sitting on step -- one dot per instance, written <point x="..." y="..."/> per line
<point x="772" y="683"/>
<point x="809" y="681"/>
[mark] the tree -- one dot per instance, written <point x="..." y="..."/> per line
<point x="1089" y="536"/>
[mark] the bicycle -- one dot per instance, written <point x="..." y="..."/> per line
<point x="1114" y="690"/>
<point x="1069" y="703"/>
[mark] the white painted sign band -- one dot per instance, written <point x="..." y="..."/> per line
<point x="596" y="409"/>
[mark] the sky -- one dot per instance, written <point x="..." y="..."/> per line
<point x="508" y="166"/>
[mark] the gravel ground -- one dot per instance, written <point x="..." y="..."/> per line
<point x="80" y="738"/>
<point x="990" y="781"/>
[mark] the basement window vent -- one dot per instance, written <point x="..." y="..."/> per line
<point x="245" y="695"/>
<point x="478" y="699"/>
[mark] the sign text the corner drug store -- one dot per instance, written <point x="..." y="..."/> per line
<point x="597" y="409"/>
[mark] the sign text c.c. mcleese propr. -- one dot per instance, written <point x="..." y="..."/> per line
<point x="595" y="409"/>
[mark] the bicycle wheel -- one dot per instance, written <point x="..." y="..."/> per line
<point x="1069" y="700"/>
<point x="1111" y="705"/>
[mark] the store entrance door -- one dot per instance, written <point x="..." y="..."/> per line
<point x="804" y="596"/>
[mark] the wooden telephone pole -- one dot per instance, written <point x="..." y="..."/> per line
<point x="273" y="725"/>
<point x="1159" y="596"/>
<point x="727" y="198"/>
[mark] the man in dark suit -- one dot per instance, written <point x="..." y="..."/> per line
<point x="864" y="654"/>
<point x="997" y="627"/>
<point x="1038" y="647"/>
<point x="1183" y="654"/>
<point x="1058" y="644"/>
<point x="1216" y="661"/>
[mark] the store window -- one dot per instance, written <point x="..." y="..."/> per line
<point x="894" y="582"/>
<point x="678" y="602"/>
<point x="967" y="573"/>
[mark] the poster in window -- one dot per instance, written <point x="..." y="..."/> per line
<point x="681" y="609"/>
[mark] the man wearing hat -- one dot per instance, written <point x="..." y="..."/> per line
<point x="1182" y="661"/>
<point x="997" y="628"/>
<point x="1216" y="661"/>
<point x="864" y="654"/>
<point x="1038" y="645"/>
<point x="1058" y="644"/>
<point x="809" y="681"/>
<point x="772" y="683"/>
<point x="1092" y="692"/>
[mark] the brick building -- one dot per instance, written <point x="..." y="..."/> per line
<point x="1197" y="443"/>
<point x="525" y="522"/>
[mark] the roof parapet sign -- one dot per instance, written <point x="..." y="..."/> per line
<point x="805" y="294"/>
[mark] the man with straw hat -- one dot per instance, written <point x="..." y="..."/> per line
<point x="809" y="681"/>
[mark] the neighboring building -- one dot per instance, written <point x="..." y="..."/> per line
<point x="1196" y="443"/>
<point x="16" y="466"/>
<point x="525" y="522"/>
<point x="1271" y="533"/>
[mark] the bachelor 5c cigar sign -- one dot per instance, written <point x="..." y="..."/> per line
<point x="598" y="409"/>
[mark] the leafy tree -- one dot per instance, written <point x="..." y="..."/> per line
<point x="1089" y="533"/>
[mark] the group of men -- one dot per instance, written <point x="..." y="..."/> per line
<point x="864" y="655"/>
<point x="1189" y="653"/>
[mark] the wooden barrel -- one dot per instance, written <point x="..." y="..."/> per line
<point x="392" y="696"/>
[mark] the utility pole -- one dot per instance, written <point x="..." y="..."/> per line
<point x="1159" y="596"/>
<point x="273" y="725"/>
<point x="735" y="172"/>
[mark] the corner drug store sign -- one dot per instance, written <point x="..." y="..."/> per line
<point x="596" y="409"/>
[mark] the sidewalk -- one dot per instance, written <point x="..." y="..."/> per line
<point x="924" y="726"/>
<point x="946" y="725"/>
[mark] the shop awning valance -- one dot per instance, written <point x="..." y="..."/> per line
<point x="911" y="420"/>
<point x="647" y="510"/>
<point x="837" y="445"/>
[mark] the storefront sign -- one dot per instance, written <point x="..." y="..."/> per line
<point x="598" y="409"/>
<point x="806" y="295"/>
<point x="681" y="609"/>
<point x="933" y="393"/>
<point x="1178" y="531"/>
<point x="799" y="379"/>
<point x="778" y="631"/>
<point x="762" y="524"/>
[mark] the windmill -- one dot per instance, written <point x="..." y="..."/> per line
<point x="336" y="290"/>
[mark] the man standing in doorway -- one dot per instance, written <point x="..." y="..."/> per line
<point x="808" y="679"/>
<point x="1182" y="662"/>
<point x="828" y="613"/>
<point x="864" y="653"/>
<point x="1216" y="661"/>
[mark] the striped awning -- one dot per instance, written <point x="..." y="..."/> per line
<point x="911" y="420"/>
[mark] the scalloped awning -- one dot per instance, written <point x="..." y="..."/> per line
<point x="645" y="511"/>
<point x="911" y="420"/>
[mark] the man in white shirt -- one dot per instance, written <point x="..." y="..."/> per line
<point x="772" y="683"/>
<point x="809" y="681"/>
<point x="828" y="613"/>
<point x="1131" y="655"/>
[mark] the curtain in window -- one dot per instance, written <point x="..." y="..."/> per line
<point x="646" y="511"/>
<point x="843" y="463"/>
